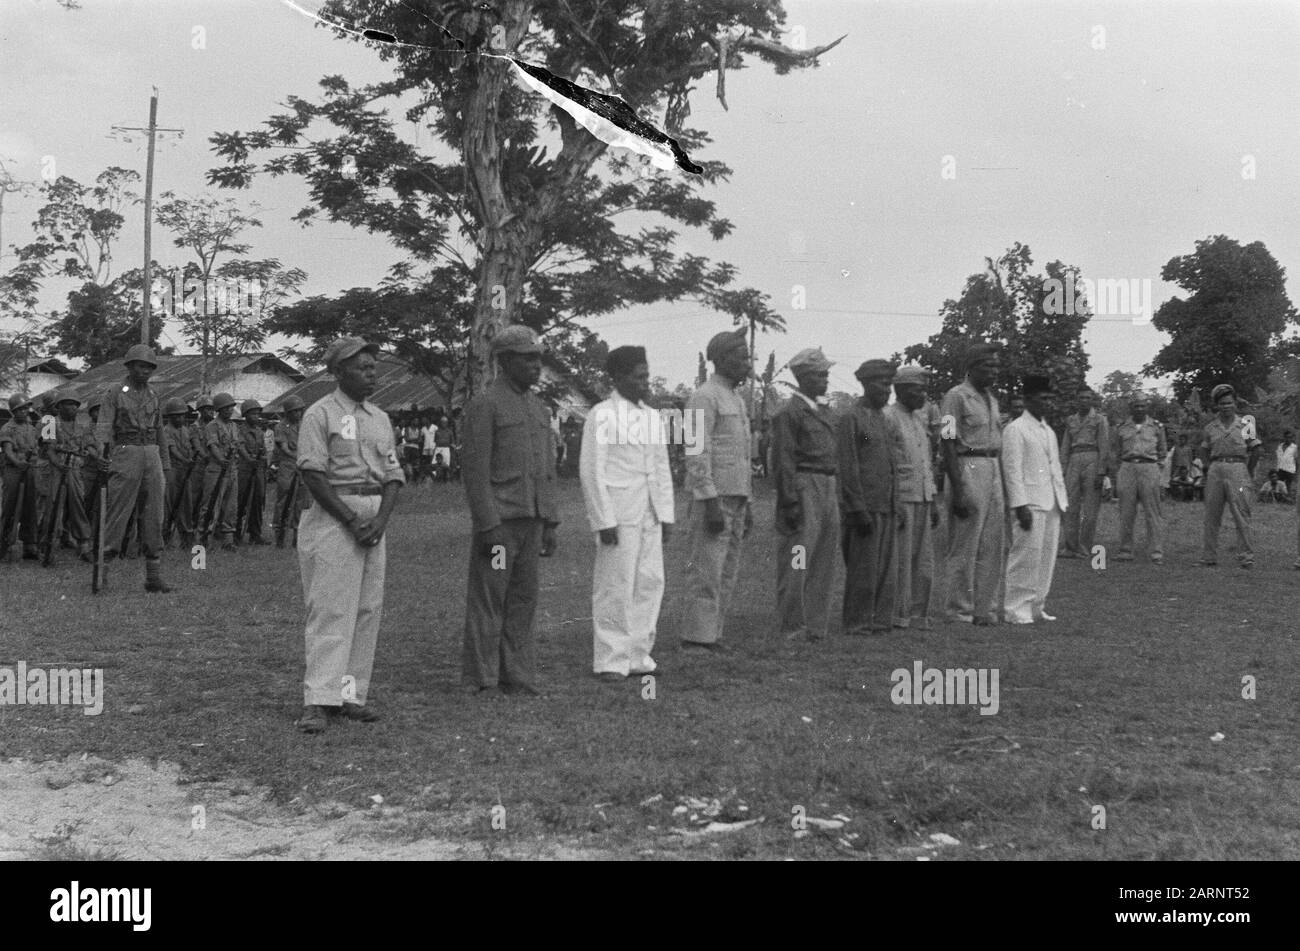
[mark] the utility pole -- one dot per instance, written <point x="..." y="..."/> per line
<point x="147" y="287"/>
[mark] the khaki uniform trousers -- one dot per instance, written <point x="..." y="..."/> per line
<point x="1139" y="483"/>
<point x="1228" y="483"/>
<point x="180" y="499"/>
<point x="223" y="516"/>
<point x="975" y="544"/>
<point x="869" y="575"/>
<point x="501" y="608"/>
<point x="627" y="592"/>
<point x="75" y="523"/>
<point x="805" y="578"/>
<point x="1085" y="501"/>
<point x="915" y="558"/>
<point x="1031" y="564"/>
<point x="343" y="587"/>
<point x="712" y="570"/>
<point x="135" y="478"/>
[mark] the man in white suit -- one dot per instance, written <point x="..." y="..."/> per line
<point x="1036" y="494"/>
<point x="628" y="490"/>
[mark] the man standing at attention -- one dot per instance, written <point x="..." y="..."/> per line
<point x="1085" y="448"/>
<point x="180" y="449"/>
<point x="1036" y="494"/>
<point x="869" y="517"/>
<point x="1230" y="447"/>
<point x="288" y="480"/>
<point x="628" y="490"/>
<point x="804" y="466"/>
<point x="18" y="449"/>
<point x="130" y="430"/>
<point x="915" y="555"/>
<point x="509" y="475"/>
<point x="718" y="478"/>
<point x="348" y="461"/>
<point x="225" y="449"/>
<point x="972" y="440"/>
<point x="1139" y="446"/>
<point x="252" y="474"/>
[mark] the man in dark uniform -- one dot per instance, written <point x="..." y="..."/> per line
<point x="65" y="454"/>
<point x="130" y="429"/>
<point x="252" y="471"/>
<point x="180" y="449"/>
<point x="287" y="479"/>
<point x="198" y="439"/>
<point x="18" y="448"/>
<point x="225" y="450"/>
<point x="509" y="475"/>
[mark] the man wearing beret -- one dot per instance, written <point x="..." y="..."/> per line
<point x="1230" y="449"/>
<point x="804" y="467"/>
<point x="348" y="461"/>
<point x="909" y="420"/>
<point x="718" y="477"/>
<point x="868" y="493"/>
<point x="508" y="469"/>
<point x="130" y="429"/>
<point x="1036" y="494"/>
<point x="18" y="450"/>
<point x="972" y="441"/>
<point x="628" y="490"/>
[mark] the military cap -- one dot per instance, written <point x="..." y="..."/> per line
<point x="1223" y="389"/>
<point x="809" y="359"/>
<point x="18" y="401"/>
<point x="979" y="352"/>
<point x="912" y="373"/>
<point x="1036" y="383"/>
<point x="173" y="407"/>
<point x="291" y="403"/>
<point x="140" y="353"/>
<point x="345" y="348"/>
<point x="875" y="369"/>
<point x="624" y="360"/>
<point x="69" y="398"/>
<point x="722" y="344"/>
<point x="516" y="339"/>
<point x="222" y="400"/>
<point x="205" y="399"/>
<point x="250" y="406"/>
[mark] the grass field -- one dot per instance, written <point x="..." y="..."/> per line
<point x="1113" y="705"/>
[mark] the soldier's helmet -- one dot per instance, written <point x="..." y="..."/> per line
<point x="250" y="406"/>
<point x="174" y="407"/>
<point x="205" y="399"/>
<point x="222" y="400"/>
<point x="291" y="403"/>
<point x="17" y="401"/>
<point x="142" y="354"/>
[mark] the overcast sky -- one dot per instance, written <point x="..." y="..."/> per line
<point x="1111" y="136"/>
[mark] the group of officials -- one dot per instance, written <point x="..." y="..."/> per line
<point x="858" y="486"/>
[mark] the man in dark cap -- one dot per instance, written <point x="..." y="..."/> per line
<point x="804" y="466"/>
<point x="868" y="493"/>
<point x="1036" y="494"/>
<point x="628" y="490"/>
<point x="509" y="476"/>
<point x="180" y="448"/>
<point x="718" y="478"/>
<point x="18" y="449"/>
<point x="130" y="429"/>
<point x="972" y="441"/>
<point x="908" y="417"/>
<point x="1230" y="448"/>
<point x="348" y="460"/>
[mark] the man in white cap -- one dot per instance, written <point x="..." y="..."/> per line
<point x="509" y="475"/>
<point x="718" y="477"/>
<point x="628" y="489"/>
<point x="348" y="461"/>
<point x="1036" y="495"/>
<point x="804" y="466"/>
<point x="915" y="501"/>
<point x="1230" y="448"/>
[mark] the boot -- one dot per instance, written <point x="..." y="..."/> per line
<point x="31" y="552"/>
<point x="187" y="542"/>
<point x="83" y="551"/>
<point x="153" y="576"/>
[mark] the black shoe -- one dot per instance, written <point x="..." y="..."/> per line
<point x="610" y="677"/>
<point x="313" y="720"/>
<point x="714" y="648"/>
<point x="355" y="711"/>
<point x="522" y="690"/>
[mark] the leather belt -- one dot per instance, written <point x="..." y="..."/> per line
<point x="981" y="453"/>
<point x="1149" y="461"/>
<point x="819" y="470"/>
<point x="359" y="489"/>
<point x="136" y="440"/>
<point x="1074" y="449"/>
<point x="1228" y="459"/>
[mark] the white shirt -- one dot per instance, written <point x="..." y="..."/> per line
<point x="623" y="465"/>
<point x="1031" y="467"/>
<point x="1286" y="458"/>
<point x="428" y="439"/>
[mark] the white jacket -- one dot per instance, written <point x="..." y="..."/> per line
<point x="1031" y="465"/>
<point x="624" y="464"/>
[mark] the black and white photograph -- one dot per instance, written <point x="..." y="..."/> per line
<point x="651" y="430"/>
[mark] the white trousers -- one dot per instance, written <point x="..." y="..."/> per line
<point x="626" y="594"/>
<point x="343" y="585"/>
<point x="1031" y="564"/>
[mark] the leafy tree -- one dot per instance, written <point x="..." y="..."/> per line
<point x="524" y="213"/>
<point x="1230" y="328"/>
<point x="102" y="321"/>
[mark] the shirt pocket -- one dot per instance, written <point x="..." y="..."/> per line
<point x="510" y="448"/>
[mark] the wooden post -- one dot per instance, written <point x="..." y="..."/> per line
<point x="147" y="288"/>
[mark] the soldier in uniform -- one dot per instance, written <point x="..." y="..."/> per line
<point x="130" y="429"/>
<point x="509" y="475"/>
<point x="1139" y="446"/>
<point x="287" y="479"/>
<point x="18" y="449"/>
<point x="180" y="503"/>
<point x="349" y="463"/>
<point x="252" y="471"/>
<point x="224" y="449"/>
<point x="804" y="466"/>
<point x="199" y="440"/>
<point x="718" y="477"/>
<point x="972" y="441"/>
<point x="66" y="454"/>
<point x="1230" y="449"/>
<point x="868" y="490"/>
<point x="909" y="419"/>
<point x="1085" y="448"/>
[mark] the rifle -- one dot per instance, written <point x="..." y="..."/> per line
<point x="56" y="507"/>
<point x="246" y="491"/>
<point x="97" y="566"/>
<point x="16" y="515"/>
<point x="180" y="497"/>
<point x="218" y="496"/>
<point x="290" y="498"/>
